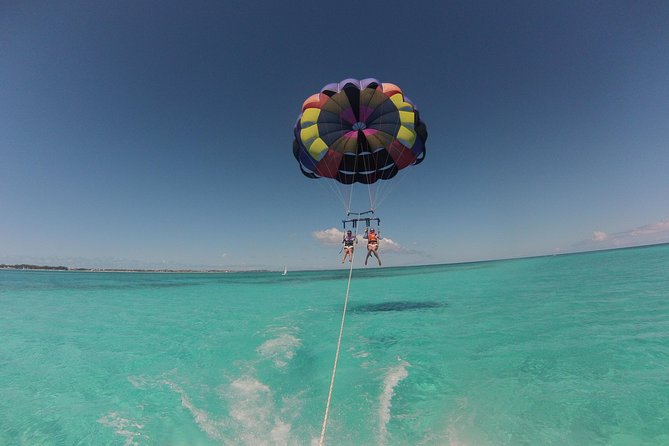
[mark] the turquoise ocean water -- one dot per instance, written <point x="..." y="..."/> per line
<point x="565" y="350"/>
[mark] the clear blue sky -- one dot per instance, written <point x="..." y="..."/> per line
<point x="160" y="133"/>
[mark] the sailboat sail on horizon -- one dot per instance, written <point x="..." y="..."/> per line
<point x="285" y="270"/>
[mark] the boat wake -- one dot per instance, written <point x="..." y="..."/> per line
<point x="393" y="377"/>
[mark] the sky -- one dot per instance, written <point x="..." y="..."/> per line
<point x="159" y="134"/>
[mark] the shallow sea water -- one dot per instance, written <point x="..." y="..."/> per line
<point x="563" y="350"/>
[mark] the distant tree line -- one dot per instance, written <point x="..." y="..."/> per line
<point x="127" y="270"/>
<point x="26" y="266"/>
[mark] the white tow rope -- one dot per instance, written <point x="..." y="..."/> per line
<point x="341" y="332"/>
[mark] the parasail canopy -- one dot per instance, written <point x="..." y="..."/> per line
<point x="358" y="131"/>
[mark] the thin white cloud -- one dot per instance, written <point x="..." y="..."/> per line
<point x="331" y="236"/>
<point x="659" y="228"/>
<point x="389" y="245"/>
<point x="599" y="236"/>
<point x="643" y="235"/>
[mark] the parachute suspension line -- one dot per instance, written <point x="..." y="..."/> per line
<point x="341" y="332"/>
<point x="390" y="188"/>
<point x="350" y="197"/>
<point x="348" y="186"/>
<point x="372" y="205"/>
<point x="371" y="190"/>
<point x="338" y="189"/>
<point x="383" y="190"/>
<point x="368" y="174"/>
<point x="335" y="189"/>
<point x="339" y="192"/>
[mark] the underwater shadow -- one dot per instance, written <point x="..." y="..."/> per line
<point x="400" y="305"/>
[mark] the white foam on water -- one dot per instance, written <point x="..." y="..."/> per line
<point x="138" y="382"/>
<point x="204" y="421"/>
<point x="361" y="354"/>
<point x="123" y="427"/>
<point x="253" y="398"/>
<point x="280" y="349"/>
<point x="393" y="377"/>
<point x="254" y="410"/>
<point x="451" y="433"/>
<point x="463" y="420"/>
<point x="292" y="405"/>
<point x="448" y="437"/>
<point x="253" y="418"/>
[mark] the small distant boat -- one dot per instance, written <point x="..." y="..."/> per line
<point x="285" y="270"/>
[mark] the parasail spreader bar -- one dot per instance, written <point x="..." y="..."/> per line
<point x="367" y="220"/>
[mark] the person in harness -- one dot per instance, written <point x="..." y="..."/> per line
<point x="348" y="241"/>
<point x="372" y="244"/>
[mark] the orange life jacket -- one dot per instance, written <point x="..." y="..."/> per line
<point x="371" y="237"/>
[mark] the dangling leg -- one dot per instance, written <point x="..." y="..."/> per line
<point x="376" y="254"/>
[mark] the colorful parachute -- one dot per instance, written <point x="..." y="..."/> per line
<point x="358" y="131"/>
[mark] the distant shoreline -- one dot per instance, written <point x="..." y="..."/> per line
<point x="30" y="267"/>
<point x="27" y="267"/>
